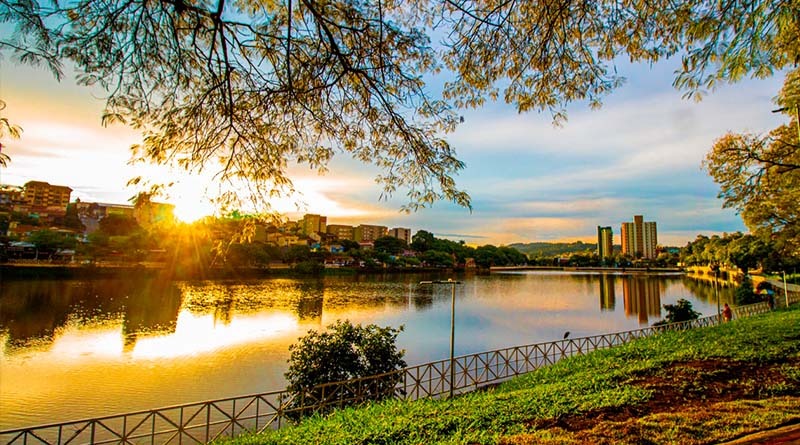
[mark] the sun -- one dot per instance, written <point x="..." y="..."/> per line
<point x="190" y="198"/>
<point x="189" y="211"/>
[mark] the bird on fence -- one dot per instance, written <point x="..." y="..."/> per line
<point x="566" y="334"/>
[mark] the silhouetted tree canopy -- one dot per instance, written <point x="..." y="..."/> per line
<point x="248" y="88"/>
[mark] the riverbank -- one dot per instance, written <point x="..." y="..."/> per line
<point x="694" y="387"/>
<point x="624" y="270"/>
<point x="47" y="270"/>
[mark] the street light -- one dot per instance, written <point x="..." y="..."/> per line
<point x="452" y="325"/>
<point x="715" y="269"/>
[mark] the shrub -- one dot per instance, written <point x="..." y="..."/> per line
<point x="745" y="294"/>
<point x="680" y="311"/>
<point x="344" y="352"/>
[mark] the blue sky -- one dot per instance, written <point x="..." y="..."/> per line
<point x="640" y="153"/>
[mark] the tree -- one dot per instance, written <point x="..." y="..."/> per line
<point x="437" y="258"/>
<point x="759" y="176"/>
<point x="262" y="85"/>
<point x="680" y="311"/>
<point x="422" y="241"/>
<point x="389" y="245"/>
<point x="345" y="351"/>
<point x="118" y="225"/>
<point x="6" y="129"/>
<point x="349" y="245"/>
<point x="50" y="240"/>
<point x="745" y="294"/>
<point x="71" y="219"/>
<point x="747" y="252"/>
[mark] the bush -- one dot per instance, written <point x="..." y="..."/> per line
<point x="343" y="352"/>
<point x="309" y="268"/>
<point x="745" y="294"/>
<point x="681" y="311"/>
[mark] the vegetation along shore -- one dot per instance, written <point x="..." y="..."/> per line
<point x="701" y="386"/>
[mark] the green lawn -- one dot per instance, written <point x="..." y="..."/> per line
<point x="699" y="386"/>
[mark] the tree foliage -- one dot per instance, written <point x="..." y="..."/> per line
<point x="745" y="293"/>
<point x="389" y="245"/>
<point x="682" y="310"/>
<point x="745" y="251"/>
<point x="247" y="88"/>
<point x="118" y="225"/>
<point x="759" y="176"/>
<point x="343" y="352"/>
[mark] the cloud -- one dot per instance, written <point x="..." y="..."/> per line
<point x="530" y="181"/>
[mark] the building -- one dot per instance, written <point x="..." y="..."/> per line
<point x="90" y="213"/>
<point x="401" y="233"/>
<point x="148" y="213"/>
<point x="605" y="242"/>
<point x="313" y="224"/>
<point x="10" y="195"/>
<point x="366" y="233"/>
<point x="39" y="200"/>
<point x="41" y="195"/>
<point x="341" y="231"/>
<point x="639" y="238"/>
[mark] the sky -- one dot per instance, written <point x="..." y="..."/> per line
<point x="530" y="181"/>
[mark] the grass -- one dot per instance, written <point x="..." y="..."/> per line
<point x="694" y="387"/>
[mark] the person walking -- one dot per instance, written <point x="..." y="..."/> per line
<point x="727" y="313"/>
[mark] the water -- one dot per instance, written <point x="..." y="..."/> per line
<point x="75" y="349"/>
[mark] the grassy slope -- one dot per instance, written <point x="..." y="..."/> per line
<point x="667" y="389"/>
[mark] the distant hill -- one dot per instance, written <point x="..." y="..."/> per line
<point x="554" y="249"/>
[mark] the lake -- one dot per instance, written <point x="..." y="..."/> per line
<point x="73" y="349"/>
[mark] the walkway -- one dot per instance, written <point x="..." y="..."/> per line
<point x="788" y="435"/>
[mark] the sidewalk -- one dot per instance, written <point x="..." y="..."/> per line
<point x="787" y="435"/>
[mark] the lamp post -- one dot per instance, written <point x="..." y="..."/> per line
<point x="452" y="284"/>
<point x="715" y="268"/>
<point x="785" y="289"/>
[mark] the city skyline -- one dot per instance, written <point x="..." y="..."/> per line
<point x="529" y="181"/>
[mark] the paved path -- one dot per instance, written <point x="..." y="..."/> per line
<point x="788" y="435"/>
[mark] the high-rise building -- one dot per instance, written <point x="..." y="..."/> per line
<point x="605" y="242"/>
<point x="650" y="239"/>
<point x="366" y="233"/>
<point x="639" y="238"/>
<point x="313" y="224"/>
<point x="401" y="233"/>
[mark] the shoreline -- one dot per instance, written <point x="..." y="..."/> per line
<point x="89" y="271"/>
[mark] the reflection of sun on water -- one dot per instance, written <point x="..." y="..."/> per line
<point x="196" y="334"/>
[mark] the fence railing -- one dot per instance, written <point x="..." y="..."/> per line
<point x="203" y="422"/>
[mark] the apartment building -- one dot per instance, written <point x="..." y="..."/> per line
<point x="639" y="238"/>
<point x="341" y="231"/>
<point x="42" y="195"/>
<point x="401" y="233"/>
<point x="313" y="224"/>
<point x="365" y="233"/>
<point x="605" y="242"/>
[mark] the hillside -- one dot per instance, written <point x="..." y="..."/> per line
<point x="701" y="386"/>
<point x="542" y="249"/>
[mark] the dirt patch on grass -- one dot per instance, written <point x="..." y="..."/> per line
<point x="690" y="386"/>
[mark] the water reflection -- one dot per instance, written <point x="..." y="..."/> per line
<point x="608" y="300"/>
<point x="642" y="296"/>
<point x="88" y="348"/>
<point x="33" y="311"/>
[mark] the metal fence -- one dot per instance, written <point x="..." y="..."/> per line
<point x="203" y="422"/>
